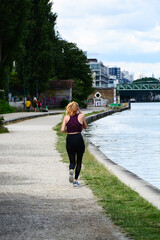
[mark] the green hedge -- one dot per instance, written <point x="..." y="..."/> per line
<point x="5" y="107"/>
<point x="64" y="103"/>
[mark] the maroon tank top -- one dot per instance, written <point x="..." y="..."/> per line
<point x="74" y="125"/>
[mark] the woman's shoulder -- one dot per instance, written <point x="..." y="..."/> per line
<point x="66" y="117"/>
<point x="81" y="115"/>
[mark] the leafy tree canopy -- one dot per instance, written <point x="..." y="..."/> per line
<point x="146" y="80"/>
<point x="12" y="18"/>
<point x="35" y="63"/>
<point x="27" y="35"/>
<point x="72" y="64"/>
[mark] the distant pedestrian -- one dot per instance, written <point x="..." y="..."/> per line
<point x="35" y="104"/>
<point x="39" y="105"/>
<point x="73" y="123"/>
<point x="28" y="105"/>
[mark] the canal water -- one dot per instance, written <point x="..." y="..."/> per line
<point x="131" y="139"/>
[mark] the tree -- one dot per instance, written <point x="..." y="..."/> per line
<point x="27" y="36"/>
<point x="12" y="19"/>
<point x="72" y="64"/>
<point x="35" y="63"/>
<point x="146" y="80"/>
<point x="15" y="84"/>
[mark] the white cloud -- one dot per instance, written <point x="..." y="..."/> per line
<point x="81" y="7"/>
<point x="120" y="31"/>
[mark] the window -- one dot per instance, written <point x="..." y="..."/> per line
<point x="94" y="66"/>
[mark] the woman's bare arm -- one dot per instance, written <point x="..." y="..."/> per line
<point x="84" y="122"/>
<point x="63" y="127"/>
<point x="82" y="119"/>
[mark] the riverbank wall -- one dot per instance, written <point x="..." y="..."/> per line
<point x="145" y="189"/>
<point x="95" y="117"/>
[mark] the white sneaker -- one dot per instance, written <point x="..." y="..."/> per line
<point x="71" y="177"/>
<point x="76" y="184"/>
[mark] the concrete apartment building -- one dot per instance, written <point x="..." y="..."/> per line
<point x="100" y="73"/>
<point x="104" y="76"/>
<point x="105" y="80"/>
<point x="104" y="89"/>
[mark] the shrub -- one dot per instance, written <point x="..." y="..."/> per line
<point x="5" y="107"/>
<point x="2" y="129"/>
<point x="1" y="121"/>
<point x="64" y="102"/>
<point x="82" y="104"/>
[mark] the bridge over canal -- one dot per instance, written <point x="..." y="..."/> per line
<point x="140" y="90"/>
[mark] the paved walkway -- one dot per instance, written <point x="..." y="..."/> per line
<point x="24" y="115"/>
<point x="20" y="116"/>
<point x="36" y="199"/>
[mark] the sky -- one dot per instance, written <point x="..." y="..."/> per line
<point x="122" y="33"/>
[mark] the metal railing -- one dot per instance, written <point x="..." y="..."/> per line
<point x="141" y="87"/>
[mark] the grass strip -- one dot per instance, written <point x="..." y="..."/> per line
<point x="92" y="113"/>
<point x="125" y="207"/>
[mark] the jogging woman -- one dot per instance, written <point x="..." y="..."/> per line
<point x="73" y="123"/>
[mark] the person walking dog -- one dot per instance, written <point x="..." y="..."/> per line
<point x="73" y="123"/>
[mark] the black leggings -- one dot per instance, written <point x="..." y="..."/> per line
<point x="75" y="149"/>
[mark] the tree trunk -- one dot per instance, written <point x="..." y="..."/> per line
<point x="0" y="50"/>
